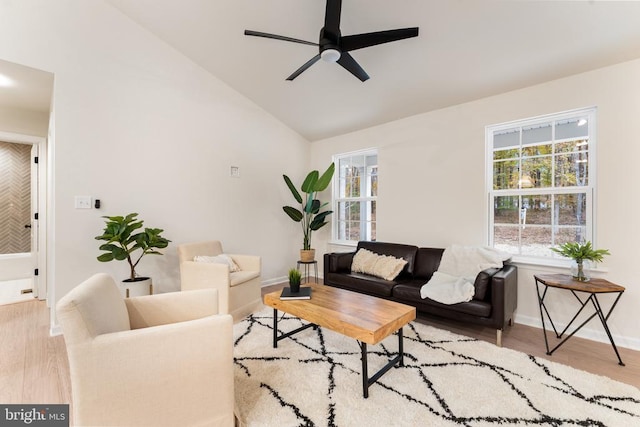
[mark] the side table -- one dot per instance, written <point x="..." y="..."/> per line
<point x="307" y="266"/>
<point x="593" y="287"/>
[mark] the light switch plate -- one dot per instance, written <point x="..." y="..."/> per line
<point x="234" y="172"/>
<point x="83" y="202"/>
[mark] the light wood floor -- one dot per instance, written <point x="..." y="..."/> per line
<point x="34" y="367"/>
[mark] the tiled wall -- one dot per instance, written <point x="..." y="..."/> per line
<point x="15" y="197"/>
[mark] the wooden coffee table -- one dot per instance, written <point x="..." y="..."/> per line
<point x="367" y="319"/>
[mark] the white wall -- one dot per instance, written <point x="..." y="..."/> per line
<point x="432" y="185"/>
<point x="145" y="130"/>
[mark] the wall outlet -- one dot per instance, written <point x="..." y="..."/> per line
<point x="83" y="202"/>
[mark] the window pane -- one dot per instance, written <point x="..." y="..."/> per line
<point x="354" y="186"/>
<point x="572" y="146"/>
<point x="536" y="172"/>
<point x="372" y="183"/>
<point x="506" y="238"/>
<point x="537" y="133"/>
<point x="505" y="174"/>
<point x="342" y="188"/>
<point x="571" y="169"/>
<point x="572" y="128"/>
<point x="506" y="139"/>
<point x="536" y="241"/>
<point x="505" y="210"/>
<point x="571" y="209"/>
<point x="569" y="234"/>
<point x="354" y="230"/>
<point x="536" y="209"/>
<point x="512" y="153"/>
<point x="537" y="150"/>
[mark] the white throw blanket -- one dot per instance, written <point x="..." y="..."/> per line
<point x="453" y="282"/>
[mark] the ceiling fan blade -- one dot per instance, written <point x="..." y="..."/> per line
<point x="358" y="41"/>
<point x="277" y="37"/>
<point x="332" y="18"/>
<point x="306" y="65"/>
<point x="350" y="64"/>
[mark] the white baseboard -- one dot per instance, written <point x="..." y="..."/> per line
<point x="590" y="334"/>
<point x="55" y="330"/>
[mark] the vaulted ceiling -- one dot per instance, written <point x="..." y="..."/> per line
<point x="466" y="50"/>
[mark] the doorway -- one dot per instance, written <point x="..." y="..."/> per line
<point x="25" y="120"/>
<point x="19" y="236"/>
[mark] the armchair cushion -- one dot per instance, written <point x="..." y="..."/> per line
<point x="223" y="259"/>
<point x="173" y="307"/>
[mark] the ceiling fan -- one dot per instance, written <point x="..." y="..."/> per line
<point x="335" y="48"/>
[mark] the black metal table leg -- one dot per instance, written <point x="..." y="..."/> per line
<point x="398" y="360"/>
<point x="365" y="373"/>
<point x="275" y="328"/>
<point x="277" y="338"/>
<point x="603" y="319"/>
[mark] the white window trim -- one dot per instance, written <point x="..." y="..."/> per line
<point x="590" y="225"/>
<point x="336" y="192"/>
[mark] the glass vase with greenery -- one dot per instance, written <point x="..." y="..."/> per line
<point x="581" y="252"/>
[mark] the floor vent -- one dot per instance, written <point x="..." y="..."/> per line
<point x="26" y="291"/>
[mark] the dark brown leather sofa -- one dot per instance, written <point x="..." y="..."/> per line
<point x="493" y="305"/>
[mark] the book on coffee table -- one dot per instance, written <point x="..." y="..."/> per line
<point x="305" y="293"/>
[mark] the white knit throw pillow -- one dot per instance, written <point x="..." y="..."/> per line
<point x="383" y="266"/>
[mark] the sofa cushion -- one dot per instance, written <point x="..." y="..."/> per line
<point x="410" y="293"/>
<point x="406" y="252"/>
<point x="384" y="266"/>
<point x="362" y="283"/>
<point x="427" y="262"/>
<point x="482" y="283"/>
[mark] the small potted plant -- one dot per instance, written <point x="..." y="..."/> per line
<point x="309" y="214"/>
<point x="294" y="280"/>
<point x="124" y="242"/>
<point x="580" y="253"/>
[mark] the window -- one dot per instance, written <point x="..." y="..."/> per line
<point x="541" y="182"/>
<point x="354" y="196"/>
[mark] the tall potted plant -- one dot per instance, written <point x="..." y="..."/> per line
<point x="309" y="214"/>
<point x="124" y="242"/>
<point x="580" y="253"/>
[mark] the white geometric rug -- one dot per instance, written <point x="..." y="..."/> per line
<point x="314" y="379"/>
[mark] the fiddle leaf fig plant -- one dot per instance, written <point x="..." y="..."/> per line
<point x="309" y="213"/>
<point x="124" y="243"/>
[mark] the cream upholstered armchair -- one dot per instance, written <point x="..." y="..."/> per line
<point x="239" y="291"/>
<point x="157" y="360"/>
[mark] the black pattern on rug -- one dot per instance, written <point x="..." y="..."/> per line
<point x="313" y="378"/>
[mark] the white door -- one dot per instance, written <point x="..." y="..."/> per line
<point x="19" y="230"/>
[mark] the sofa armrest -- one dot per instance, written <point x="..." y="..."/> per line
<point x="172" y="307"/>
<point x="338" y="262"/>
<point x="504" y="295"/>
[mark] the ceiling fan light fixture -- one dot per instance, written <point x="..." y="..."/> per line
<point x="330" y="55"/>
